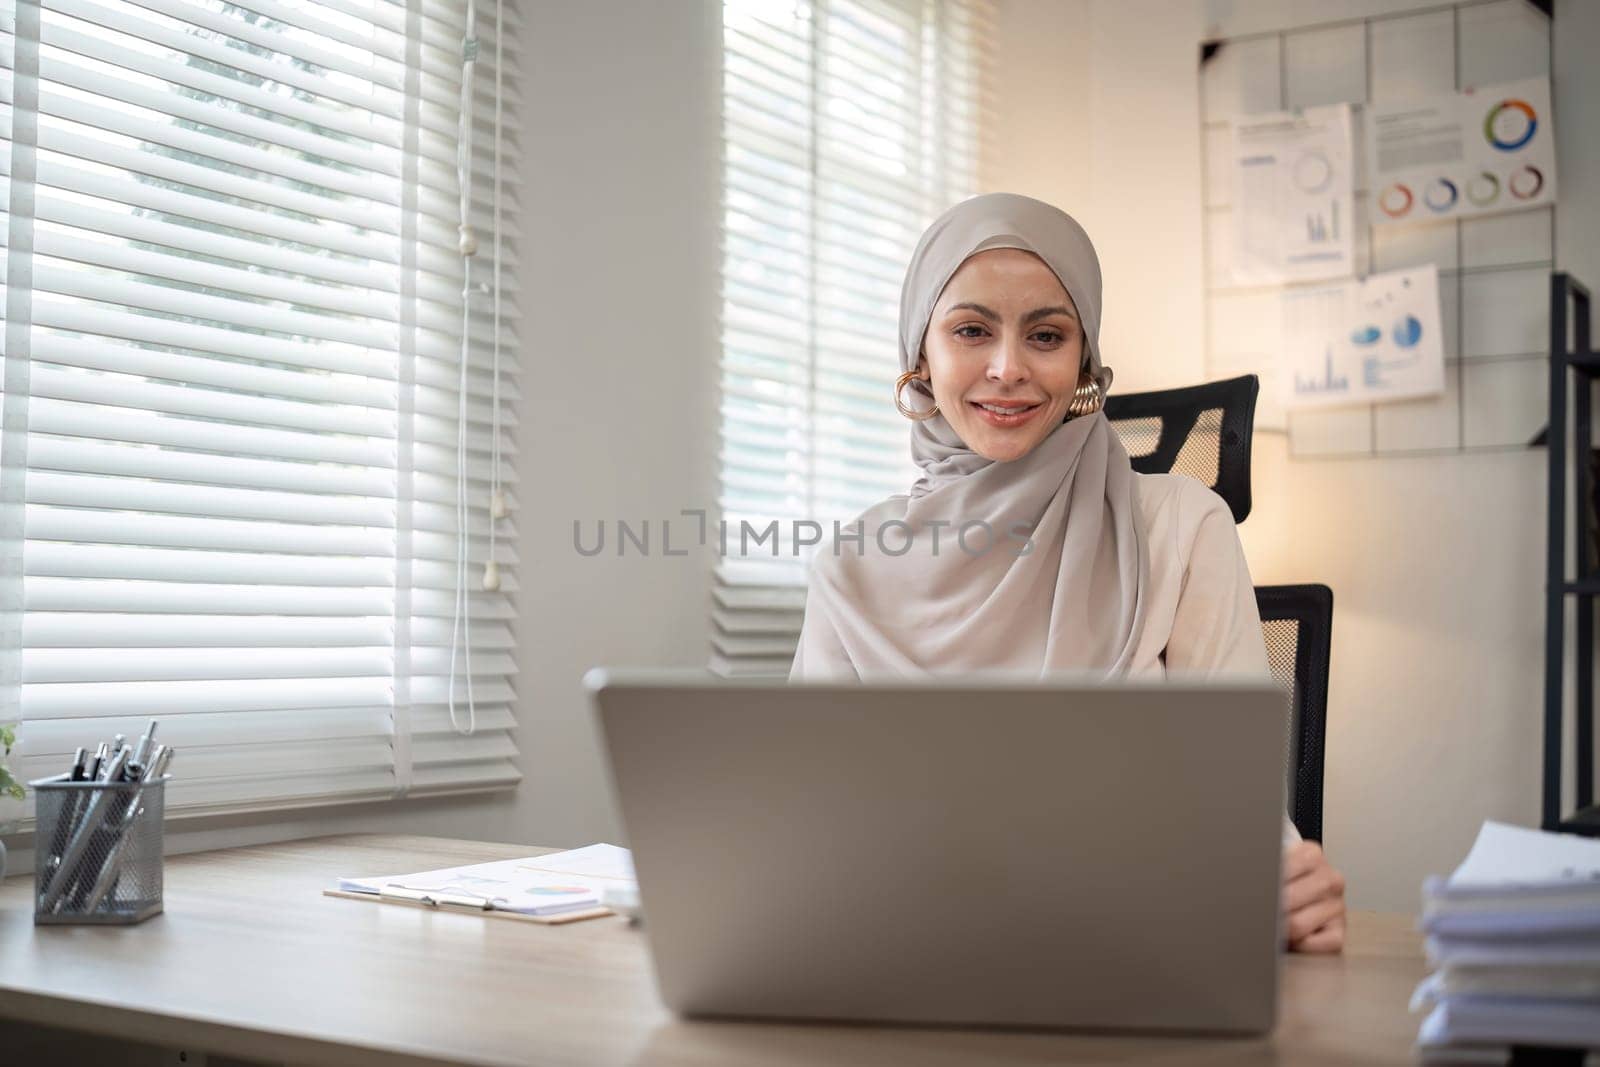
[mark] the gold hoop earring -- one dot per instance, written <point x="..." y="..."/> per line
<point x="911" y="413"/>
<point x="1088" y="398"/>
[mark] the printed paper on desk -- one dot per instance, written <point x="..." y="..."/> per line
<point x="1510" y="855"/>
<point x="593" y="861"/>
<point x="536" y="885"/>
<point x="1481" y="952"/>
<point x="503" y="885"/>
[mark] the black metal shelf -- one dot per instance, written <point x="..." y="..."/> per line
<point x="1571" y="357"/>
<point x="1585" y="821"/>
<point x="1582" y="587"/>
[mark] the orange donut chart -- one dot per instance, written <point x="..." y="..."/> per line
<point x="1526" y="183"/>
<point x="1484" y="189"/>
<point x="1392" y="208"/>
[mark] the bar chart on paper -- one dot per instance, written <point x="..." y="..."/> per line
<point x="1358" y="342"/>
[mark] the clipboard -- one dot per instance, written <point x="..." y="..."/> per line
<point x="466" y="908"/>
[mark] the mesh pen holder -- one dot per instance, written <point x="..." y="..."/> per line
<point x="98" y="851"/>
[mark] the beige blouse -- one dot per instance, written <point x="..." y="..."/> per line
<point x="1201" y="619"/>
<point x="1201" y="616"/>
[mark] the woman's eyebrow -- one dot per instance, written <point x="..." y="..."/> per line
<point x="1044" y="313"/>
<point x="1031" y="317"/>
<point x="979" y="308"/>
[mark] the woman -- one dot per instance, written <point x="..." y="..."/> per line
<point x="1074" y="562"/>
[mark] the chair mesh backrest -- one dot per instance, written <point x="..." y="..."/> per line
<point x="1297" y="623"/>
<point x="1203" y="431"/>
<point x="1201" y="455"/>
<point x="1140" y="436"/>
<point x="1283" y="647"/>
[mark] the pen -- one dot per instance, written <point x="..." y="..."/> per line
<point x="141" y="752"/>
<point x="100" y="826"/>
<point x="100" y="754"/>
<point x="107" y="831"/>
<point x="69" y="810"/>
<point x="83" y="769"/>
<point x="158" y="763"/>
<point x="108" y="870"/>
<point x="64" y="821"/>
<point x="64" y="874"/>
<point x="107" y="878"/>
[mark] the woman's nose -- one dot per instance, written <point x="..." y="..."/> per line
<point x="1006" y="363"/>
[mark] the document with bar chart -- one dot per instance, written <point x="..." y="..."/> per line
<point x="1363" y="342"/>
<point x="1292" y="200"/>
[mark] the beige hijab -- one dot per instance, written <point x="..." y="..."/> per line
<point x="912" y="596"/>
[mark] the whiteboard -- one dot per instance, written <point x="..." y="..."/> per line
<point x="1494" y="271"/>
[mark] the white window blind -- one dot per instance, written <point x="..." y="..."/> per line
<point x="848" y="125"/>
<point x="234" y="403"/>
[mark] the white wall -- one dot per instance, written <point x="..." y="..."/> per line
<point x="1436" y="563"/>
<point x="620" y="343"/>
<point x="1043" y="52"/>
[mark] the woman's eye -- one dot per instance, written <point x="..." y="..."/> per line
<point x="1049" y="337"/>
<point x="977" y="331"/>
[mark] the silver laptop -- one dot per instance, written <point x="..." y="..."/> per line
<point x="962" y="852"/>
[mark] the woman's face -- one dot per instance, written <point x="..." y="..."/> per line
<point x="1004" y="350"/>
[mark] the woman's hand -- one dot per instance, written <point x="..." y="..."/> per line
<point x="1313" y="900"/>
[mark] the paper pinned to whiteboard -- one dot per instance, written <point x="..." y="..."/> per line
<point x="1477" y="152"/>
<point x="1293" y="201"/>
<point x="1364" y="342"/>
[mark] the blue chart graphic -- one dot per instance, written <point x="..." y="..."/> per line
<point x="1330" y="383"/>
<point x="1407" y="332"/>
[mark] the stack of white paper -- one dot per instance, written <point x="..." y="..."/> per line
<point x="539" y="885"/>
<point x="1515" y="936"/>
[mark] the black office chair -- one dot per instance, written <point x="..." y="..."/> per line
<point x="1297" y="622"/>
<point x="1204" y="431"/>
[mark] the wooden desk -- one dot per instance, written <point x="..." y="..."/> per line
<point x="250" y="960"/>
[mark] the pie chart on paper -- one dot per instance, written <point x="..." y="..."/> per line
<point x="1440" y="194"/>
<point x="1408" y="331"/>
<point x="1526" y="183"/>
<point x="1510" y="124"/>
<point x="1396" y="200"/>
<point x="1312" y="172"/>
<point x="1483" y="189"/>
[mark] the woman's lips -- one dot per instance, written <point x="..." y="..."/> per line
<point x="1005" y="421"/>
